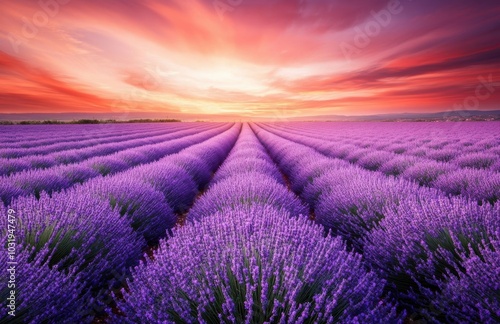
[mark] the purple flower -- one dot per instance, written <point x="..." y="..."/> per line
<point x="477" y="160"/>
<point x="8" y="190"/>
<point x="313" y="166"/>
<point x="106" y="165"/>
<point x="476" y="184"/>
<point x="426" y="172"/>
<point x="442" y="155"/>
<point x="352" y="204"/>
<point x="424" y="243"/>
<point x="246" y="190"/>
<point x="149" y="214"/>
<point x="398" y="165"/>
<point x="178" y="187"/>
<point x="374" y="160"/>
<point x="80" y="233"/>
<point x="9" y="166"/>
<point x="254" y="264"/>
<point x="247" y="165"/>
<point x="36" y="181"/>
<point x="42" y="293"/>
<point x="472" y="296"/>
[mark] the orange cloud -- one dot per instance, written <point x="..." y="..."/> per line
<point x="255" y="58"/>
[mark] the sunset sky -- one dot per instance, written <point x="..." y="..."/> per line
<point x="249" y="58"/>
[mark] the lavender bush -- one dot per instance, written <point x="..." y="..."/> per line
<point x="426" y="172"/>
<point x="442" y="155"/>
<point x="195" y="166"/>
<point x="34" y="182"/>
<point x="149" y="215"/>
<point x="80" y="233"/>
<point x="43" y="294"/>
<point x="423" y="247"/>
<point x="77" y="173"/>
<point x="313" y="167"/>
<point x="177" y="186"/>
<point x="374" y="160"/>
<point x="249" y="190"/>
<point x="248" y="165"/>
<point x="9" y="166"/>
<point x="477" y="160"/>
<point x="351" y="204"/>
<point x="476" y="184"/>
<point x="7" y="191"/>
<point x="473" y="296"/>
<point x="254" y="264"/>
<point x="106" y="165"/>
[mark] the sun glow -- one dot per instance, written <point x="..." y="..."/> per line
<point x="258" y="59"/>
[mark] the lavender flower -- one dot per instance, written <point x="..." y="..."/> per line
<point x="472" y="296"/>
<point x="7" y="191"/>
<point x="150" y="216"/>
<point x="34" y="182"/>
<point x="247" y="165"/>
<point x="9" y="166"/>
<point x="477" y="160"/>
<point x="351" y="204"/>
<point x="42" y="293"/>
<point x="80" y="233"/>
<point x="476" y="184"/>
<point x="374" y="160"/>
<point x="313" y="167"/>
<point x="254" y="264"/>
<point x="106" y="165"/>
<point x="426" y="172"/>
<point x="398" y="165"/>
<point x="177" y="186"/>
<point x="249" y="190"/>
<point x="424" y="243"/>
<point x="77" y="173"/>
<point x="442" y="155"/>
<point x="195" y="166"/>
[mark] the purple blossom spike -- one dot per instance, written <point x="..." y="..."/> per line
<point x="254" y="264"/>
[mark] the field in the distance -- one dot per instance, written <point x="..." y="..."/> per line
<point x="296" y="222"/>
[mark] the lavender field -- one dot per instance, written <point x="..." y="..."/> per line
<point x="298" y="222"/>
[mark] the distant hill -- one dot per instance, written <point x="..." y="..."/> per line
<point x="459" y="115"/>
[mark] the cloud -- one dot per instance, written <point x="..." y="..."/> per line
<point x="255" y="58"/>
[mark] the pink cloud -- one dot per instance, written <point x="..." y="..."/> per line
<point x="254" y="59"/>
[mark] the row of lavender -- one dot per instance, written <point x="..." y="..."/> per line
<point x="443" y="142"/>
<point x="46" y="156"/>
<point x="76" y="141"/>
<point x="37" y="135"/>
<point x="32" y="182"/>
<point x="75" y="246"/>
<point x="466" y="145"/>
<point x="440" y="255"/>
<point x="70" y="135"/>
<point x="250" y="254"/>
<point x="248" y="251"/>
<point x="466" y="175"/>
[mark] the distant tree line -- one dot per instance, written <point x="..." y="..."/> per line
<point x="87" y="121"/>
